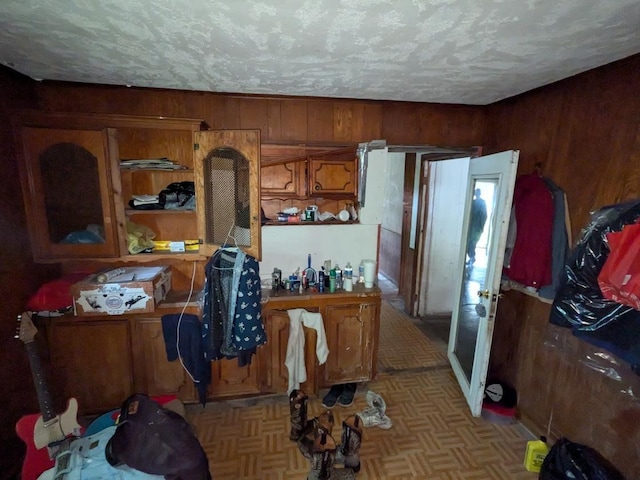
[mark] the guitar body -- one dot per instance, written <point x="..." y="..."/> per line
<point x="36" y="460"/>
<point x="57" y="429"/>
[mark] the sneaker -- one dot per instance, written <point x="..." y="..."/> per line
<point x="346" y="397"/>
<point x="371" y="418"/>
<point x="383" y="422"/>
<point x="331" y="398"/>
<point x="376" y="402"/>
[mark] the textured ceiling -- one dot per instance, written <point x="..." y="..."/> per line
<point x="451" y="51"/>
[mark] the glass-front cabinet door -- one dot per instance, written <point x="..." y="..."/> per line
<point x="67" y="187"/>
<point x="227" y="164"/>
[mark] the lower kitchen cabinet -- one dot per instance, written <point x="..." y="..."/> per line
<point x="101" y="360"/>
<point x="351" y="343"/>
<point x="155" y="374"/>
<point x="276" y="377"/>
<point x="228" y="379"/>
<point x="92" y="361"/>
<point x="352" y="326"/>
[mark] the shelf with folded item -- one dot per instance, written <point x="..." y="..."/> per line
<point x="133" y="211"/>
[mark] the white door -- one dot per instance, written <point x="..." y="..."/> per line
<point x="478" y="283"/>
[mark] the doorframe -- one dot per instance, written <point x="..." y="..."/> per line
<point x="412" y="258"/>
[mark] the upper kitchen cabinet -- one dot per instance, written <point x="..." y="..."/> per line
<point x="334" y="174"/>
<point x="77" y="196"/>
<point x="67" y="179"/>
<point x="307" y="171"/>
<point x="227" y="164"/>
<point x="283" y="171"/>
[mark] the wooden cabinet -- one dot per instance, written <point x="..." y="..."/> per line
<point x="350" y="330"/>
<point x="155" y="375"/>
<point x="67" y="179"/>
<point x="283" y="180"/>
<point x="77" y="195"/>
<point x="276" y="377"/>
<point x="228" y="189"/>
<point x="92" y="361"/>
<point x="352" y="326"/>
<point x="332" y="175"/>
<point x="304" y="171"/>
<point x="102" y="360"/>
<point x="228" y="379"/>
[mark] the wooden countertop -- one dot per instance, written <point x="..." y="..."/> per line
<point x="287" y="299"/>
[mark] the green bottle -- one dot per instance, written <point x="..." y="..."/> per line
<point x="332" y="281"/>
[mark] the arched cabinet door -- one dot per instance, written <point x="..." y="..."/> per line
<point x="227" y="165"/>
<point x="67" y="185"/>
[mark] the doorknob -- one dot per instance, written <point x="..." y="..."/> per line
<point x="483" y="293"/>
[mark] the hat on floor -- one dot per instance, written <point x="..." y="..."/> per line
<point x="500" y="393"/>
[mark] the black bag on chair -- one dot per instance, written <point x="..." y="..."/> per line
<point x="155" y="440"/>
<point x="570" y="460"/>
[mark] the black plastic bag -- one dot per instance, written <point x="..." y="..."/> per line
<point x="570" y="460"/>
<point x="579" y="303"/>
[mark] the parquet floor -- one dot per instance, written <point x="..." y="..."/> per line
<point x="433" y="434"/>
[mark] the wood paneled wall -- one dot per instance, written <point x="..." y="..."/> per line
<point x="19" y="278"/>
<point x="295" y="119"/>
<point x="586" y="133"/>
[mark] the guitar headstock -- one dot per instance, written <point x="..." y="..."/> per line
<point x="26" y="330"/>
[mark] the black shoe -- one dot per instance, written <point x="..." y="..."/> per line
<point x="330" y="399"/>
<point x="346" y="397"/>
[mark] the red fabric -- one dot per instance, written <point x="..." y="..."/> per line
<point x="619" y="278"/>
<point x="55" y="295"/>
<point x="531" y="258"/>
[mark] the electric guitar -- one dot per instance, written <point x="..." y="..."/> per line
<point x="39" y="431"/>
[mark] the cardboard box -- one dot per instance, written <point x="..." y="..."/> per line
<point x="131" y="290"/>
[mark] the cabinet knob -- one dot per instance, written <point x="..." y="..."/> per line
<point x="317" y="186"/>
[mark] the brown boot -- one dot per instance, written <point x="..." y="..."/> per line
<point x="348" y="452"/>
<point x="298" y="414"/>
<point x="316" y="426"/>
<point x="322" y="458"/>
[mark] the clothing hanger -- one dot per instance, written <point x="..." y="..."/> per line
<point x="226" y="246"/>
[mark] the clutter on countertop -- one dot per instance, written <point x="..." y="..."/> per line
<point x="325" y="279"/>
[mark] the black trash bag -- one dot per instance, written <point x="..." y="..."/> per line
<point x="579" y="303"/>
<point x="570" y="460"/>
<point x="155" y="440"/>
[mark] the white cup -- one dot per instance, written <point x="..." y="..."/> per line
<point x="369" y="272"/>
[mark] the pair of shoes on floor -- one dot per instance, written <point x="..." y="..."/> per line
<point x="341" y="394"/>
<point x="375" y="414"/>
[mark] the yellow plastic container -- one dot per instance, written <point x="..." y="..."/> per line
<point x="534" y="456"/>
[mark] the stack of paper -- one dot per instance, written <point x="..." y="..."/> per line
<point x="150" y="164"/>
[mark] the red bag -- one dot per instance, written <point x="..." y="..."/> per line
<point x="619" y="278"/>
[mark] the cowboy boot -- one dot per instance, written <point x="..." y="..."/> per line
<point x="320" y="424"/>
<point x="348" y="452"/>
<point x="322" y="459"/>
<point x="298" y="414"/>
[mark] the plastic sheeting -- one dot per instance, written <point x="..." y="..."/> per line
<point x="579" y="303"/>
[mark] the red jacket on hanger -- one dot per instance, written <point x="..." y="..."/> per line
<point x="531" y="258"/>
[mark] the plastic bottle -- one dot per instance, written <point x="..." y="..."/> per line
<point x="332" y="281"/>
<point x="348" y="277"/>
<point x="361" y="272"/>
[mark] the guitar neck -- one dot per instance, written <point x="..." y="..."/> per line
<point x="37" y="372"/>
